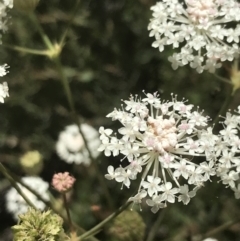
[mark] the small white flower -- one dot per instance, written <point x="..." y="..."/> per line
<point x="185" y="195"/>
<point x="152" y="185"/>
<point x="70" y="145"/>
<point x="168" y="193"/>
<point x="156" y="203"/>
<point x="111" y="173"/>
<point x="137" y="199"/>
<point x="16" y="205"/>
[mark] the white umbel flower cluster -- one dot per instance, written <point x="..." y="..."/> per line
<point x="159" y="140"/>
<point x="70" y="145"/>
<point x="198" y="29"/>
<point x="228" y="149"/>
<point x="4" y="6"/>
<point x="16" y="205"/>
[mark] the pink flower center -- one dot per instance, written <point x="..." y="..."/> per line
<point x="161" y="134"/>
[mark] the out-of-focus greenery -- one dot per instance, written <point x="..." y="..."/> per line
<point x="107" y="57"/>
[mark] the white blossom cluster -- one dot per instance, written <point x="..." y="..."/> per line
<point x="198" y="28"/>
<point x="15" y="203"/>
<point x="4" y="6"/>
<point x="228" y="149"/>
<point x="70" y="145"/>
<point x="159" y="140"/>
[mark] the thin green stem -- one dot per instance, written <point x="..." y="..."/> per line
<point x="67" y="211"/>
<point x="65" y="84"/>
<point x="26" y="50"/>
<point x="225" y="80"/>
<point x="221" y="228"/>
<point x="14" y="184"/>
<point x="45" y="38"/>
<point x="224" y="108"/>
<point x="68" y="92"/>
<point x="155" y="227"/>
<point x="69" y="23"/>
<point x="217" y="230"/>
<point x="98" y="227"/>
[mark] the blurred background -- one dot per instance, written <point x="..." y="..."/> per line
<point x="107" y="57"/>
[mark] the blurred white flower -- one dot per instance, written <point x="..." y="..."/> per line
<point x="159" y="139"/>
<point x="198" y="28"/>
<point x="3" y="91"/>
<point x="4" y="5"/>
<point x="210" y="239"/>
<point x="227" y="151"/>
<point x="3" y="70"/>
<point x="16" y="205"/>
<point x="70" y="145"/>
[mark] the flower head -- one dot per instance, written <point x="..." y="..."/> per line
<point x="159" y="140"/>
<point x="63" y="182"/>
<point x="16" y="205"/>
<point x="198" y="28"/>
<point x="35" y="225"/>
<point x="70" y="145"/>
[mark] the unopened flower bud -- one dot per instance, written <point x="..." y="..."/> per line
<point x="63" y="182"/>
<point x="128" y="226"/>
<point x="32" y="163"/>
<point x="26" y="5"/>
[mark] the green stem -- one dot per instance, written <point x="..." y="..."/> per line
<point x="68" y="92"/>
<point x="97" y="228"/>
<point x="67" y="211"/>
<point x="218" y="229"/>
<point x="14" y="184"/>
<point x="69" y="23"/>
<point x="225" y="80"/>
<point x="225" y="106"/>
<point x="65" y="84"/>
<point x="45" y="38"/>
<point x="155" y="226"/>
<point x="27" y="50"/>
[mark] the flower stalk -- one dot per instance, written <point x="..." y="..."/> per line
<point x="13" y="182"/>
<point x="98" y="227"/>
